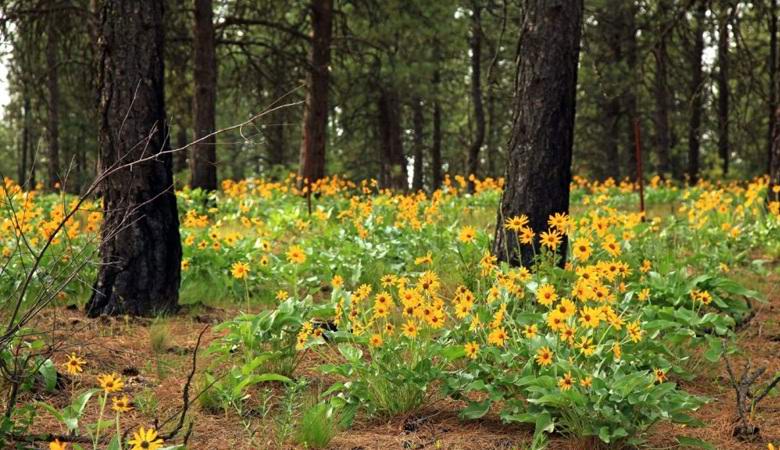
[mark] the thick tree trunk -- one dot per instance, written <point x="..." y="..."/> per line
<point x="491" y="146"/>
<point x="140" y="247"/>
<point x="53" y="110"/>
<point x="315" y="115"/>
<point x="391" y="157"/>
<point x="723" y="87"/>
<point x="697" y="94"/>
<point x="773" y="103"/>
<point x="204" y="153"/>
<point x="540" y="147"/>
<point x="663" y="137"/>
<point x="436" y="169"/>
<point x="418" y="124"/>
<point x="476" y="92"/>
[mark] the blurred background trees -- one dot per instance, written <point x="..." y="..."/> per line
<point x="414" y="89"/>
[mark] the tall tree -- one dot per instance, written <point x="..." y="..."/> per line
<point x="723" y="84"/>
<point x="772" y="63"/>
<point x="392" y="160"/>
<point x="475" y="45"/>
<point x="540" y="147"/>
<point x="140" y="247"/>
<point x="663" y="133"/>
<point x="436" y="169"/>
<point x="204" y="152"/>
<point x="697" y="92"/>
<point x="418" y="125"/>
<point x="53" y="104"/>
<point x="315" y="116"/>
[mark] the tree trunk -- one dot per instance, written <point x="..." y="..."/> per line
<point x="436" y="175"/>
<point x="418" y="123"/>
<point x="53" y="116"/>
<point x="540" y="146"/>
<point x="315" y="114"/>
<point x="723" y="87"/>
<point x="697" y="93"/>
<point x="26" y="156"/>
<point x="392" y="160"/>
<point x="180" y="157"/>
<point x="491" y="147"/>
<point x="476" y="93"/>
<point x="204" y="153"/>
<point x="773" y="121"/>
<point x="661" y="92"/>
<point x="630" y="95"/>
<point x="140" y="247"/>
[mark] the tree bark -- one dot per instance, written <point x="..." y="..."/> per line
<point x="773" y="104"/>
<point x="630" y="96"/>
<point x="418" y="123"/>
<point x="26" y="154"/>
<point x="391" y="157"/>
<point x="476" y="93"/>
<point x="540" y="146"/>
<point x="204" y="153"/>
<point x="140" y="247"/>
<point x="723" y="87"/>
<point x="697" y="93"/>
<point x="315" y="116"/>
<point x="436" y="169"/>
<point x="180" y="157"/>
<point x="663" y="137"/>
<point x="53" y="110"/>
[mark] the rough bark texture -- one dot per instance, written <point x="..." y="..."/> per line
<point x="772" y="63"/>
<point x="436" y="175"/>
<point x="418" y="123"/>
<point x="697" y="93"/>
<point x="315" y="115"/>
<point x="540" y="147"/>
<point x="140" y="248"/>
<point x="204" y="154"/>
<point x="475" y="43"/>
<point x="53" y="110"/>
<point x="723" y="88"/>
<point x="663" y="136"/>
<point x="392" y="172"/>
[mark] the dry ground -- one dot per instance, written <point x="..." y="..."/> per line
<point x="155" y="380"/>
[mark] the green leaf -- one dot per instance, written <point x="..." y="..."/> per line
<point x="694" y="443"/>
<point x="115" y="443"/>
<point x="453" y="353"/>
<point x="475" y="410"/>
<point x="350" y="353"/>
<point x="49" y="373"/>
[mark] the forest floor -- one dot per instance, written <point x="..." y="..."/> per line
<point x="155" y="376"/>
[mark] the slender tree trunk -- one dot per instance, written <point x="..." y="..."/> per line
<point x="418" y="124"/>
<point x="436" y="169"/>
<point x="630" y="95"/>
<point x="612" y="116"/>
<point x="26" y="157"/>
<point x="491" y="147"/>
<point x="723" y="87"/>
<point x="393" y="162"/>
<point x="697" y="93"/>
<point x="53" y="116"/>
<point x="204" y="153"/>
<point x="661" y="92"/>
<point x="180" y="157"/>
<point x="140" y="246"/>
<point x="315" y="115"/>
<point x="476" y="93"/>
<point x="773" y="103"/>
<point x="543" y="124"/>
